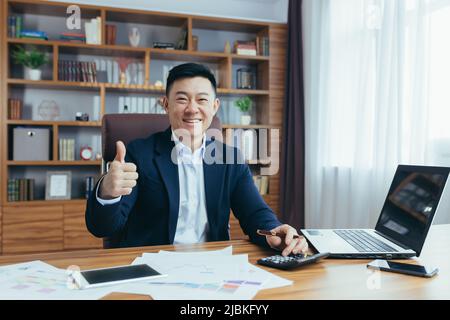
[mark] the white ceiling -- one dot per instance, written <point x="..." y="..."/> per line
<point x="263" y="1"/>
<point x="260" y="10"/>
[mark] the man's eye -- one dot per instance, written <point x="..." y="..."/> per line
<point x="182" y="99"/>
<point x="203" y="100"/>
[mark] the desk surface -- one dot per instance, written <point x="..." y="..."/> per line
<point x="330" y="279"/>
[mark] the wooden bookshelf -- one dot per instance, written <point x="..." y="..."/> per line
<point x="64" y="228"/>
<point x="55" y="163"/>
<point x="56" y="123"/>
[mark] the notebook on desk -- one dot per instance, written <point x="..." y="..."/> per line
<point x="402" y="226"/>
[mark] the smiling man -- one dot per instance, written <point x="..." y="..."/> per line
<point x="162" y="189"/>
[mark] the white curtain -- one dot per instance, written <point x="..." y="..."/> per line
<point x="377" y="94"/>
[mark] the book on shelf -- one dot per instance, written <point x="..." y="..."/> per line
<point x="66" y="149"/>
<point x="72" y="37"/>
<point x="33" y="34"/>
<point x="89" y="183"/>
<point x="246" y="52"/>
<point x="15" y="26"/>
<point x="15" y="107"/>
<point x="249" y="141"/>
<point x="77" y="71"/>
<point x="246" y="78"/>
<point x="93" y="31"/>
<point x="20" y="190"/>
<point x="245" y="48"/>
<point x="163" y="45"/>
<point x="262" y="46"/>
<point x="110" y="34"/>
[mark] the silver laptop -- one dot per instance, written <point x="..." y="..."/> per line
<point x="403" y="224"/>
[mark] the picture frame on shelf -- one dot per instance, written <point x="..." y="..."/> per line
<point x="58" y="185"/>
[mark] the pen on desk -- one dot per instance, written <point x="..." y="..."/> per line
<point x="273" y="233"/>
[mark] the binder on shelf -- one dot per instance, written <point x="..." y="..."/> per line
<point x="96" y="109"/>
<point x="140" y="105"/>
<point x="89" y="186"/>
<point x="20" y="190"/>
<point x="110" y="34"/>
<point x="93" y="31"/>
<point x="77" y="71"/>
<point x="146" y="105"/>
<point x="134" y="107"/>
<point x="66" y="149"/>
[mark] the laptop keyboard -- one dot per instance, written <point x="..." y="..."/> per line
<point x="363" y="242"/>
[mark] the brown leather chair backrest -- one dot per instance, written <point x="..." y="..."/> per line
<point x="128" y="127"/>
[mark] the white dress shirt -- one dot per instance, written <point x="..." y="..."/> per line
<point x="192" y="224"/>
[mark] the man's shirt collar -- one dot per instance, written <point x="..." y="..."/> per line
<point x="184" y="152"/>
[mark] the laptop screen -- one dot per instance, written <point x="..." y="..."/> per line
<point x="411" y="204"/>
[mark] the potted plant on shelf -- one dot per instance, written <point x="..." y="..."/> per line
<point x="32" y="60"/>
<point x="245" y="104"/>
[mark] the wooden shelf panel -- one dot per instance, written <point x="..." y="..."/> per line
<point x="232" y="25"/>
<point x="63" y="44"/>
<point x="57" y="123"/>
<point x="55" y="85"/>
<point x="244" y="92"/>
<point x="242" y="57"/>
<point x="100" y="50"/>
<point x="122" y="87"/>
<point x="185" y="55"/>
<point x="156" y="53"/>
<point x="133" y="87"/>
<point x="55" y="163"/>
<point x="45" y="202"/>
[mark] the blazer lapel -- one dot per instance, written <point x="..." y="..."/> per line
<point x="169" y="173"/>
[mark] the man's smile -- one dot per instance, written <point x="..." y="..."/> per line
<point x="192" y="120"/>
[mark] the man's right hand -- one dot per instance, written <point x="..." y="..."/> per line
<point x="121" y="177"/>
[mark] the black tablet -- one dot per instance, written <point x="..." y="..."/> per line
<point x="116" y="275"/>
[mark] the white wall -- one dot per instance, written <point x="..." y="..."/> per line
<point x="443" y="213"/>
<point x="260" y="10"/>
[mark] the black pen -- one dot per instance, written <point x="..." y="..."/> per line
<point x="273" y="233"/>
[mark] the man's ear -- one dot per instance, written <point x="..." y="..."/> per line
<point x="165" y="103"/>
<point x="216" y="105"/>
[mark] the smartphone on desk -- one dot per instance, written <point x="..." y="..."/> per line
<point x="405" y="268"/>
<point x="115" y="275"/>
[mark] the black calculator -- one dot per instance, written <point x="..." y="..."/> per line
<point x="291" y="261"/>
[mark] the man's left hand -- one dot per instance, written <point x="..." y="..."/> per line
<point x="286" y="242"/>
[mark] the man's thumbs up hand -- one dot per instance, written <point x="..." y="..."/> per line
<point x="121" y="177"/>
<point x="120" y="152"/>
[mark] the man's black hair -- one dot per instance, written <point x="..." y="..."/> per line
<point x="190" y="70"/>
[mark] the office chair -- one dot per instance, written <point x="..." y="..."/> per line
<point x="128" y="127"/>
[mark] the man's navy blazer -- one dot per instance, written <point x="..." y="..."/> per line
<point x="148" y="216"/>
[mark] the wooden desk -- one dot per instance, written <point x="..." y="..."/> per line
<point x="330" y="279"/>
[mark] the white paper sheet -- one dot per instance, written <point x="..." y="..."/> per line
<point x="210" y="275"/>
<point x="37" y="280"/>
<point x="225" y="251"/>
